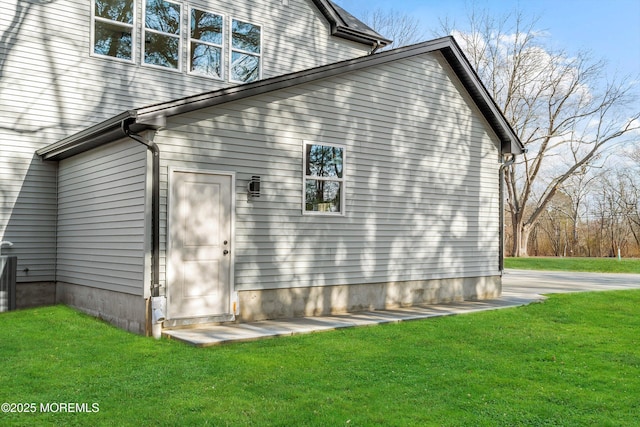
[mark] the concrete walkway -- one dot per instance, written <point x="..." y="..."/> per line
<point x="520" y="287"/>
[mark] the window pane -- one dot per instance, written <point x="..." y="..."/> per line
<point x="161" y="50"/>
<point x="322" y="196"/>
<point x="206" y="59"/>
<point x="244" y="68"/>
<point x="324" y="161"/>
<point x="206" y="26"/>
<point x="112" y="40"/>
<point x="115" y="10"/>
<point x="163" y="16"/>
<point x="245" y="36"/>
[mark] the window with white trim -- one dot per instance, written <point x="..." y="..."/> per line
<point x="217" y="48"/>
<point x="113" y="23"/>
<point x="324" y="178"/>
<point x="162" y="38"/>
<point x="245" y="51"/>
<point x="205" y="43"/>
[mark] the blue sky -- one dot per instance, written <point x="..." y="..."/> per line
<point x="610" y="29"/>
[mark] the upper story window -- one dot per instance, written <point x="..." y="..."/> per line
<point x="162" y="41"/>
<point x="113" y="22"/>
<point x="245" y="51"/>
<point x="209" y="36"/>
<point x="324" y="178"/>
<point x="205" y="43"/>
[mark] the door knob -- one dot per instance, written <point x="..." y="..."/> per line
<point x="225" y="252"/>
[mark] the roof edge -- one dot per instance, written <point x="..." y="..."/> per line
<point x="208" y="99"/>
<point x="88" y="138"/>
<point x="154" y="116"/>
<point x="347" y="26"/>
<point x="510" y="142"/>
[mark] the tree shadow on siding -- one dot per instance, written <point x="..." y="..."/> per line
<point x="10" y="35"/>
<point x="27" y="193"/>
<point x="413" y="195"/>
<point x="30" y="226"/>
<point x="48" y="99"/>
<point x="417" y="165"/>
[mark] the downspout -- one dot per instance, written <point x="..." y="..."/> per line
<point x="501" y="208"/>
<point x="155" y="210"/>
<point x="376" y="45"/>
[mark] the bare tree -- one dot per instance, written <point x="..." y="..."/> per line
<point x="578" y="187"/>
<point x="613" y="212"/>
<point x="556" y="223"/>
<point x="626" y="189"/>
<point x="635" y="191"/>
<point x="402" y="29"/>
<point x="559" y="105"/>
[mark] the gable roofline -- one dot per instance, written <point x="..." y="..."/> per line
<point x="154" y="116"/>
<point x="345" y="25"/>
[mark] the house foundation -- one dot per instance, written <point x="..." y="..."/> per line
<point x="317" y="301"/>
<point x="125" y="311"/>
<point x="35" y="294"/>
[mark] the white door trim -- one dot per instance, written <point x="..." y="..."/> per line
<point x="232" y="303"/>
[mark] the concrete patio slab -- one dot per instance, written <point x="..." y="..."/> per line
<point x="519" y="288"/>
<point x="213" y="335"/>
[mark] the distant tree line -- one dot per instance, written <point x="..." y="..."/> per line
<point x="594" y="214"/>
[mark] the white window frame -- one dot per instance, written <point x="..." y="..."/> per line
<point x="342" y="181"/>
<point x="232" y="50"/>
<point x="131" y="26"/>
<point x="221" y="45"/>
<point x="179" y="36"/>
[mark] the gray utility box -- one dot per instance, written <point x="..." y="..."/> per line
<point x="8" y="266"/>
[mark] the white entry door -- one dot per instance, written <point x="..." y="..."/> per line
<point x="199" y="270"/>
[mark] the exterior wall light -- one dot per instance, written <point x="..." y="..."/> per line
<point x="253" y="187"/>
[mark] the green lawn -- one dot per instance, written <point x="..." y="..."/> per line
<point x="600" y="265"/>
<point x="573" y="360"/>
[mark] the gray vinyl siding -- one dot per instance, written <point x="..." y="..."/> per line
<point x="422" y="178"/>
<point x="51" y="86"/>
<point x="102" y="239"/>
<point x="51" y="74"/>
<point x="28" y="210"/>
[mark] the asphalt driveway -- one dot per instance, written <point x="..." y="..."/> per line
<point x="553" y="282"/>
